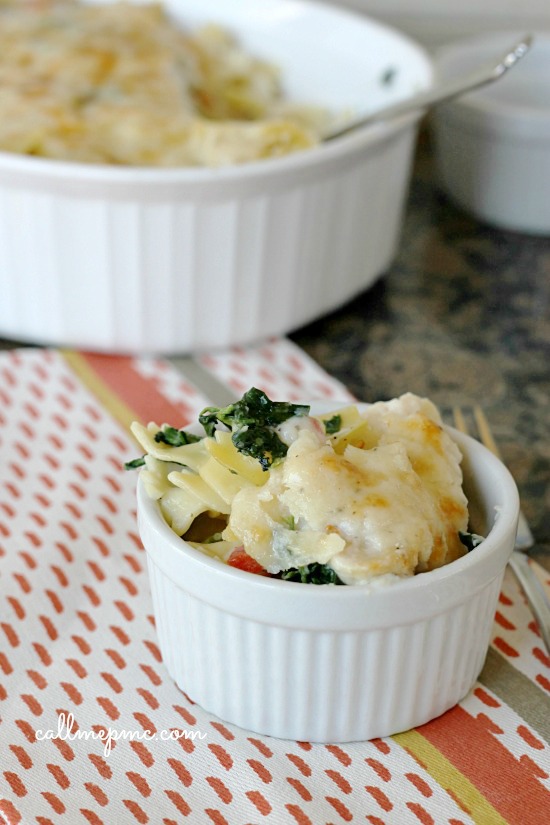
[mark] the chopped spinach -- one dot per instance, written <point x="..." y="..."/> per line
<point x="333" y="425"/>
<point x="252" y="422"/>
<point x="314" y="573"/>
<point x="470" y="540"/>
<point x="168" y="435"/>
<point x="135" y="463"/>
<point x="289" y="522"/>
<point x="175" y="438"/>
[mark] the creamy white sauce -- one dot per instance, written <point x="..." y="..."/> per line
<point x="293" y="427"/>
<point x="393" y="509"/>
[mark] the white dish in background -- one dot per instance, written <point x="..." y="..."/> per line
<point x="493" y="145"/>
<point x="332" y="663"/>
<point x="137" y="260"/>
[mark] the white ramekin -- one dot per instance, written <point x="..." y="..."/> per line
<point x="493" y="146"/>
<point x="172" y="260"/>
<point x="332" y="663"/>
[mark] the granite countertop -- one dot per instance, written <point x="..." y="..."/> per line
<point x="462" y="316"/>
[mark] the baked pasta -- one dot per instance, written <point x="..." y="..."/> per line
<point x="122" y="83"/>
<point x="350" y="497"/>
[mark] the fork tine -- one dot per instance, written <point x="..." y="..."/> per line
<point x="518" y="561"/>
<point x="525" y="539"/>
<point x="485" y="434"/>
<point x="482" y="431"/>
<point x="459" y="420"/>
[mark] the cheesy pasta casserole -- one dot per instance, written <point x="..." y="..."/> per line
<point x="350" y="497"/>
<point x="122" y="83"/>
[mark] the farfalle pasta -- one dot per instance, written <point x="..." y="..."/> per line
<point x="348" y="497"/>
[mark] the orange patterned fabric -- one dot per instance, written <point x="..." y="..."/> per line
<point x="78" y="644"/>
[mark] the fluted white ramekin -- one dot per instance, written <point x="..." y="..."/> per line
<point x="172" y="260"/>
<point x="332" y="663"/>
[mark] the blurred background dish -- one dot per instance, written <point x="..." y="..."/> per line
<point x="122" y="259"/>
<point x="493" y="145"/>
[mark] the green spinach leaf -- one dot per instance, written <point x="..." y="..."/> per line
<point x="470" y="540"/>
<point x="253" y="421"/>
<point x="333" y="425"/>
<point x="175" y="438"/>
<point x="314" y="573"/>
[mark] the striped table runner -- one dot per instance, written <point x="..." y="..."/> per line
<point x="79" y="662"/>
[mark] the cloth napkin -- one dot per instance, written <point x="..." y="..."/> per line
<point x="81" y="676"/>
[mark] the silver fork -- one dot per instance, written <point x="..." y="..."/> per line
<point x="519" y="562"/>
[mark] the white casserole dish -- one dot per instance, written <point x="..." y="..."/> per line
<point x="332" y="663"/>
<point x="136" y="260"/>
<point x="493" y="146"/>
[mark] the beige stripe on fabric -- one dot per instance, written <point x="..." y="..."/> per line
<point x="518" y="692"/>
<point x="450" y="778"/>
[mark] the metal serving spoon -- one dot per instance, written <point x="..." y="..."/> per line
<point x="442" y="91"/>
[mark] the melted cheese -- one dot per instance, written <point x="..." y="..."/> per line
<point x="393" y="507"/>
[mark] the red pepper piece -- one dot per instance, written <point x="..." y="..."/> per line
<point x="239" y="558"/>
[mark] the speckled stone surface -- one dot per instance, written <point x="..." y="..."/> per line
<point x="462" y="316"/>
